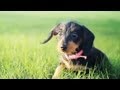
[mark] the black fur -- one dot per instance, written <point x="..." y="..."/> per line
<point x="75" y="32"/>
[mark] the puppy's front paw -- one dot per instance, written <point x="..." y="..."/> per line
<point x="54" y="77"/>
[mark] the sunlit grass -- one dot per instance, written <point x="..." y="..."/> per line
<point x="22" y="55"/>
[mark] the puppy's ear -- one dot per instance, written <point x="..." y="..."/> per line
<point x="88" y="38"/>
<point x="54" y="32"/>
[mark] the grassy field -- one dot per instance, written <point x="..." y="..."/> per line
<point x="23" y="57"/>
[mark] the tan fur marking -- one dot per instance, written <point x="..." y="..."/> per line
<point x="71" y="48"/>
<point x="58" y="71"/>
<point x="69" y="65"/>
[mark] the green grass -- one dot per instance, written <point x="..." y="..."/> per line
<point x="23" y="57"/>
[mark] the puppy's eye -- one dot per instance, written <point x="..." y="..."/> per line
<point x="74" y="36"/>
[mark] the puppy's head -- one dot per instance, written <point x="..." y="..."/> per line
<point x="72" y="38"/>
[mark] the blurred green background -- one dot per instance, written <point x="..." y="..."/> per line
<point x="22" y="55"/>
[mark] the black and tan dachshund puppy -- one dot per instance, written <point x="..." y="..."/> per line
<point x="76" y="48"/>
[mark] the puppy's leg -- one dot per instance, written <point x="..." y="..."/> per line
<point x="58" y="71"/>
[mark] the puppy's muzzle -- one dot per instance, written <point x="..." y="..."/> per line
<point x="64" y="47"/>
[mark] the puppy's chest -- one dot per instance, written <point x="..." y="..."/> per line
<point x="73" y="65"/>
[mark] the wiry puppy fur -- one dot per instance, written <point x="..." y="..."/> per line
<point x="76" y="48"/>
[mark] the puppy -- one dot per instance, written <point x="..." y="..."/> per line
<point x="75" y="43"/>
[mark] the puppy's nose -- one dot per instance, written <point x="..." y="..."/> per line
<point x="64" y="47"/>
